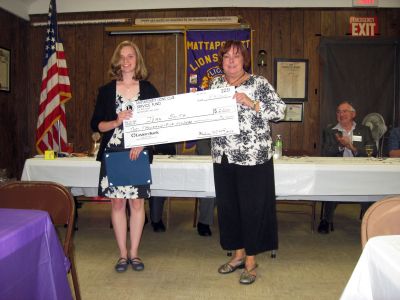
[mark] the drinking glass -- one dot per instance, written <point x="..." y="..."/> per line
<point x="369" y="149"/>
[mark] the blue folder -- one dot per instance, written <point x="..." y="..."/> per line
<point x="121" y="170"/>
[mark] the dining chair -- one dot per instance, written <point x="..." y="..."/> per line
<point x="51" y="197"/>
<point x="381" y="218"/>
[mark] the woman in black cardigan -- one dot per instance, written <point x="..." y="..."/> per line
<point x="128" y="73"/>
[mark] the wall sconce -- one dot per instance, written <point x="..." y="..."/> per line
<point x="261" y="59"/>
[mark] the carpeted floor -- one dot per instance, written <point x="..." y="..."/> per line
<point x="180" y="264"/>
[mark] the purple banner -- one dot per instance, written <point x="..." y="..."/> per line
<point x="202" y="59"/>
<point x="202" y="54"/>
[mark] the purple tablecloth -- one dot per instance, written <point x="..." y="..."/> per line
<point x="32" y="260"/>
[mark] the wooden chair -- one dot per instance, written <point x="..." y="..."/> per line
<point x="51" y="197"/>
<point x="293" y="203"/>
<point x="381" y="218"/>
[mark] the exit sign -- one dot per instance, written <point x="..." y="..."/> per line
<point x="363" y="26"/>
<point x="365" y="3"/>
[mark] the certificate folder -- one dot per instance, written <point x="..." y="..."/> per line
<point x="121" y="170"/>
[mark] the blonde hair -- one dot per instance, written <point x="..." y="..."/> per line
<point x="115" y="66"/>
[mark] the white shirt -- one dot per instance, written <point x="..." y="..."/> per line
<point x="346" y="151"/>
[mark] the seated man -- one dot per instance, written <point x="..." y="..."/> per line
<point x="346" y="139"/>
<point x="394" y="142"/>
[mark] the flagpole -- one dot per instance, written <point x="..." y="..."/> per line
<point x="56" y="37"/>
<point x="59" y="136"/>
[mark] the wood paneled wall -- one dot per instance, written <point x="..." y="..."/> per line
<point x="16" y="129"/>
<point x="283" y="33"/>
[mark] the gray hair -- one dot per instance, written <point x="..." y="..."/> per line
<point x="348" y="103"/>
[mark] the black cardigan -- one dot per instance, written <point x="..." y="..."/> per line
<point x="105" y="108"/>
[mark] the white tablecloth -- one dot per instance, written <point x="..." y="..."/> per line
<point x="308" y="178"/>
<point x="377" y="273"/>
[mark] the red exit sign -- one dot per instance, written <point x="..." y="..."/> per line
<point x="365" y="3"/>
<point x="363" y="26"/>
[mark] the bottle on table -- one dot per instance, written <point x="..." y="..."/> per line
<point x="278" y="147"/>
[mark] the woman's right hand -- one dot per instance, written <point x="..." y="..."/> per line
<point x="105" y="126"/>
<point x="123" y="115"/>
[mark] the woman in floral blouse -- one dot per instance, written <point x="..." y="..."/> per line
<point x="243" y="166"/>
<point x="128" y="71"/>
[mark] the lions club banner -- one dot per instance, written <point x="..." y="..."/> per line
<point x="202" y="60"/>
<point x="202" y="54"/>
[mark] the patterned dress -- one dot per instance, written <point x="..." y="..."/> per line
<point x="116" y="143"/>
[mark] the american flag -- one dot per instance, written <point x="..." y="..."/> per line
<point x="55" y="91"/>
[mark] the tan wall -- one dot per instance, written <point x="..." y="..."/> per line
<point x="283" y="33"/>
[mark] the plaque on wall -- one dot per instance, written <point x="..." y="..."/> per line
<point x="4" y="70"/>
<point x="291" y="76"/>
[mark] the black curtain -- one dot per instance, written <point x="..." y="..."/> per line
<point x="364" y="71"/>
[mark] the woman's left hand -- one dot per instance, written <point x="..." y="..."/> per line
<point x="134" y="153"/>
<point x="243" y="99"/>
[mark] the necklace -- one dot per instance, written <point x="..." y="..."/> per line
<point x="239" y="80"/>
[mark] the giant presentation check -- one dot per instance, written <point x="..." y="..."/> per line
<point x="182" y="117"/>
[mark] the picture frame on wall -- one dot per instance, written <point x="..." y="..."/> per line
<point x="294" y="112"/>
<point x="5" y="57"/>
<point x="291" y="79"/>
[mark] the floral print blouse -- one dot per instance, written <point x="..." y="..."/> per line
<point x="253" y="145"/>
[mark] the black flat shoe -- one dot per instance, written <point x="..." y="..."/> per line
<point x="203" y="229"/>
<point x="324" y="227"/>
<point x="158" y="226"/>
<point x="122" y="265"/>
<point x="137" y="264"/>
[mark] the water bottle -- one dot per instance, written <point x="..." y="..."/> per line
<point x="278" y="147"/>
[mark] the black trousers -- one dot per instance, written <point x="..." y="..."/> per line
<point x="330" y="207"/>
<point x="246" y="206"/>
